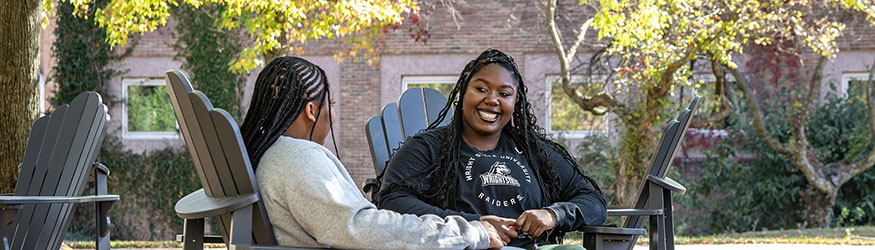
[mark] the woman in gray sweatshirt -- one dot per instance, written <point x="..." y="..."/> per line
<point x="310" y="198"/>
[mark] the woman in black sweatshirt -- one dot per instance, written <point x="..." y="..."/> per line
<point x="493" y="162"/>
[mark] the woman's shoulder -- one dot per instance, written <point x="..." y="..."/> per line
<point x="286" y="148"/>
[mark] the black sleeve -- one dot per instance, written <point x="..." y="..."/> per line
<point x="581" y="204"/>
<point x="404" y="174"/>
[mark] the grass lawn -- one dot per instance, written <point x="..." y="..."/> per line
<point x="832" y="236"/>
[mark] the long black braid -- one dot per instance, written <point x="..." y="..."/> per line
<point x="523" y="130"/>
<point x="282" y="90"/>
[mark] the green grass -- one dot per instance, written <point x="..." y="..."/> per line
<point x="829" y="236"/>
<point x="136" y="244"/>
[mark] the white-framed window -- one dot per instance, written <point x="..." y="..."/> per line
<point x="42" y="94"/>
<point x="564" y="117"/>
<point x="849" y="79"/>
<point x="147" y="112"/>
<point x="443" y="83"/>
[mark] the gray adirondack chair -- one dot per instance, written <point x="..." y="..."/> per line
<point x="416" y="108"/>
<point x="59" y="156"/>
<point x="229" y="193"/>
<point x="387" y="132"/>
<point x="653" y="198"/>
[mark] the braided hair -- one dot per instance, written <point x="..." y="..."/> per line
<point x="522" y="129"/>
<point x="282" y="90"/>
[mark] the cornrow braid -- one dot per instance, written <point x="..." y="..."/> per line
<point x="282" y="90"/>
<point x="523" y="129"/>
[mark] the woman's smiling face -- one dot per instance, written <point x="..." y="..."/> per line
<point x="489" y="101"/>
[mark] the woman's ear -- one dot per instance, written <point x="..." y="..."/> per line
<point x="310" y="110"/>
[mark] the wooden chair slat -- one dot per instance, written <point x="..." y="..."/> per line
<point x="434" y="102"/>
<point x="411" y="108"/>
<point x="234" y="152"/>
<point x="219" y="171"/>
<point x="377" y="143"/>
<point x="32" y="151"/>
<point x="178" y="87"/>
<point x="685" y="118"/>
<point x="392" y="127"/>
<point x="262" y="230"/>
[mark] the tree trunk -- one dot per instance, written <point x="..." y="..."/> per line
<point x="19" y="83"/>
<point x="283" y="49"/>
<point x="818" y="207"/>
<point x="269" y="55"/>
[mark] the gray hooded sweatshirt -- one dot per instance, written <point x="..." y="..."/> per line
<point x="313" y="202"/>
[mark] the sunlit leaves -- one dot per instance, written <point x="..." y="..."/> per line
<point x="663" y="31"/>
<point x="271" y="24"/>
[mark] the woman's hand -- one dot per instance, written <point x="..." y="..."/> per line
<point x="502" y="225"/>
<point x="536" y="221"/>
<point x="495" y="238"/>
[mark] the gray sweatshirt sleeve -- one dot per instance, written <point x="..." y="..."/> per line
<point x="325" y="202"/>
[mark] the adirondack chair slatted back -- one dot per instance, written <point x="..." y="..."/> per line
<point x="217" y="150"/>
<point x="415" y="110"/>
<point x="668" y="144"/>
<point x="377" y="143"/>
<point x="419" y="107"/>
<point x="392" y="127"/>
<point x="60" y="152"/>
<point x="668" y="133"/>
<point x="434" y="102"/>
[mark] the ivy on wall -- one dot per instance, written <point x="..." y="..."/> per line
<point x="207" y="53"/>
<point x="82" y="55"/>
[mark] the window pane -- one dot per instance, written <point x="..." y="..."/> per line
<point x="567" y="116"/>
<point x="149" y="109"/>
<point x="857" y="89"/>
<point x="442" y="87"/>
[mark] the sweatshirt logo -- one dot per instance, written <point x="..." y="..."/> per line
<point x="499" y="174"/>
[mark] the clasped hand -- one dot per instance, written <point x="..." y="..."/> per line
<point x="534" y="222"/>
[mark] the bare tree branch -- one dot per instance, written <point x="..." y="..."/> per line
<point x="726" y="107"/>
<point x="813" y="92"/>
<point x="602" y="99"/>
<point x="804" y="156"/>
<point x="664" y="85"/>
<point x="580" y="37"/>
<point x="757" y="114"/>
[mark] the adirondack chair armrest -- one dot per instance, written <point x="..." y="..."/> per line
<point x="99" y="168"/>
<point x="613" y="230"/>
<point x="610" y="238"/>
<point x="19" y="200"/>
<point x="633" y="211"/>
<point x="370" y="185"/>
<point x="207" y="238"/>
<point x="198" y="205"/>
<point x="667" y="183"/>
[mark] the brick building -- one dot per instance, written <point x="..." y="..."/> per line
<point x="361" y="89"/>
